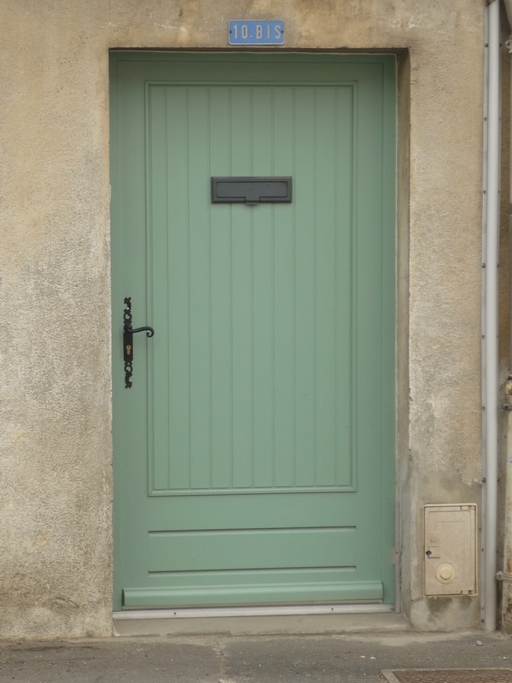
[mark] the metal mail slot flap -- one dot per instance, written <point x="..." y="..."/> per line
<point x="251" y="189"/>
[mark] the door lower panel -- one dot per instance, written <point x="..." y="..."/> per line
<point x="287" y="592"/>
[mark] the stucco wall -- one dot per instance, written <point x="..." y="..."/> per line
<point x="55" y="521"/>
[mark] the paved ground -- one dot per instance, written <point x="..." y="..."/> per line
<point x="261" y="659"/>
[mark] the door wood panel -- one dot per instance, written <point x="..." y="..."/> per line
<point x="255" y="450"/>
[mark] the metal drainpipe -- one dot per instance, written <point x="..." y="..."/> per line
<point x="505" y="575"/>
<point x="490" y="313"/>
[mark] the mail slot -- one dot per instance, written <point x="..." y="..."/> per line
<point x="251" y="189"/>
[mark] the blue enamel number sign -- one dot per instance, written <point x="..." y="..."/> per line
<point x="256" y="32"/>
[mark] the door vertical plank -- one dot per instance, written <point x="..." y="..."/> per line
<point x="130" y="277"/>
<point x="179" y="287"/>
<point x="200" y="291"/>
<point x="345" y="291"/>
<point x="222" y="380"/>
<point x="284" y="277"/>
<point x="326" y="221"/>
<point x="242" y="284"/>
<point x="158" y="434"/>
<point x="305" y="295"/>
<point x="263" y="258"/>
<point x="367" y="278"/>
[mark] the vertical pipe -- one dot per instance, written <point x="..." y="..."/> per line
<point x="506" y="574"/>
<point x="491" y="317"/>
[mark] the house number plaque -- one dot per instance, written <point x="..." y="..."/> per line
<point x="256" y="32"/>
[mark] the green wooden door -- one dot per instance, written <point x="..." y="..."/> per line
<point x="254" y="454"/>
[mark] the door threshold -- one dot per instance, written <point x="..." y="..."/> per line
<point x="263" y="611"/>
<point x="265" y="620"/>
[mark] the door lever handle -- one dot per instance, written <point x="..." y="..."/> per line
<point x="150" y="330"/>
<point x="128" y="332"/>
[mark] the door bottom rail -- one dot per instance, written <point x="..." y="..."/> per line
<point x="255" y="611"/>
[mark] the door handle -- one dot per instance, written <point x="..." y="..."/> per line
<point x="128" y="332"/>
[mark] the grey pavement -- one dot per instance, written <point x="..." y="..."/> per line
<point x="331" y="658"/>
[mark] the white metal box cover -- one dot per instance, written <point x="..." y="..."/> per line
<point x="450" y="549"/>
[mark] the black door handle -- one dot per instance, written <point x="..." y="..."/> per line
<point x="128" y="332"/>
<point x="151" y="331"/>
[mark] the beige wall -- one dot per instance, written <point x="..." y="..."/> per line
<point x="55" y="462"/>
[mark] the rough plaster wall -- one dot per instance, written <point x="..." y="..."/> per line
<point x="445" y="291"/>
<point x="55" y="533"/>
<point x="55" y="458"/>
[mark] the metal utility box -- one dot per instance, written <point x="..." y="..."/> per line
<point x="450" y="533"/>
